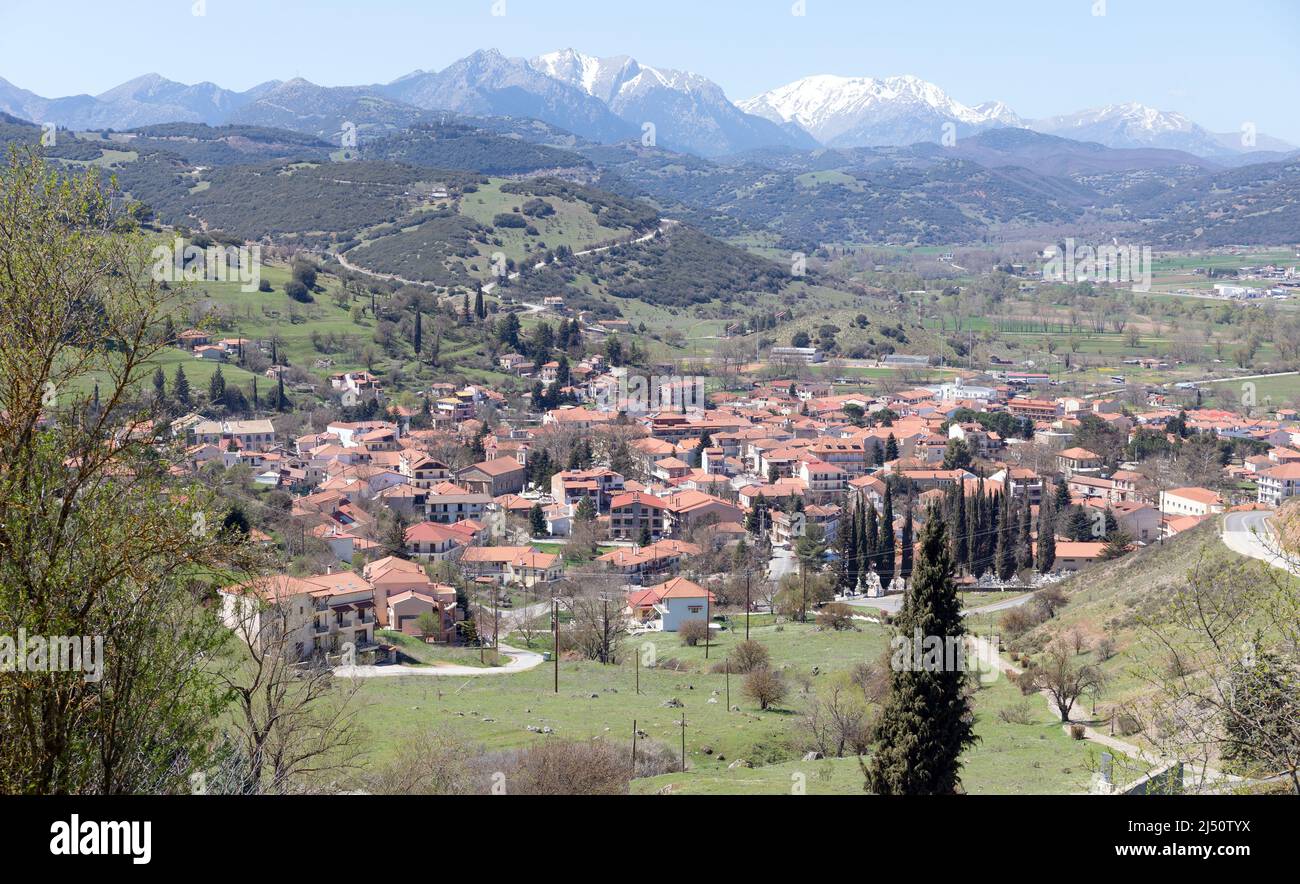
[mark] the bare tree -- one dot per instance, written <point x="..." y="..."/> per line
<point x="294" y="720"/>
<point x="1063" y="678"/>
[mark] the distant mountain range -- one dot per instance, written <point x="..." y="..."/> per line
<point x="608" y="100"/>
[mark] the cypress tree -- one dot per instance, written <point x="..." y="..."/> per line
<point x="960" y="550"/>
<point x="927" y="721"/>
<point x="868" y="546"/>
<point x="885" y="548"/>
<point x="417" y="339"/>
<point x="906" y="554"/>
<point x="1046" y="538"/>
<point x="1004" y="556"/>
<point x="847" y="542"/>
<point x="1025" y="543"/>
<point x="972" y="530"/>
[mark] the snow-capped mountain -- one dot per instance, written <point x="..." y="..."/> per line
<point x="689" y="111"/>
<point x="867" y="112"/>
<point x="488" y="83"/>
<point x="1135" y="125"/>
<point x="612" y="99"/>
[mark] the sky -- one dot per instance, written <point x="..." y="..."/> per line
<point x="1223" y="64"/>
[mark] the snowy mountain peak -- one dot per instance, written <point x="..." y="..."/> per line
<point x="616" y="77"/>
<point x="835" y="108"/>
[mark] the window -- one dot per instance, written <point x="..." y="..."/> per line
<point x="695" y="609"/>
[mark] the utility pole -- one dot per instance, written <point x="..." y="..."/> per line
<point x="727" y="669"/>
<point x="708" y="619"/>
<point x="634" y="748"/>
<point x="555" y="640"/>
<point x="747" y="604"/>
<point x="638" y="671"/>
<point x="683" y="740"/>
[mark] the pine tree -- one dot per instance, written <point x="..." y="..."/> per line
<point x="1078" y="525"/>
<point x="217" y="388"/>
<point x="885" y="557"/>
<point x="891" y="448"/>
<point x="159" y="384"/>
<point x="480" y="309"/>
<point x="927" y="721"/>
<point x="1046" y="538"/>
<point x="181" y="387"/>
<point x="537" y="521"/>
<point x="281" y="402"/>
<point x="1062" y="497"/>
<point x="417" y="338"/>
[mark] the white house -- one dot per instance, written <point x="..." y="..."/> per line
<point x="681" y="600"/>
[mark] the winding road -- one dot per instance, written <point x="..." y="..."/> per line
<point x="520" y="661"/>
<point x="1250" y="534"/>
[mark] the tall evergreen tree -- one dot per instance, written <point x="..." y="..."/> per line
<point x="869" y="544"/>
<point x="217" y="388"/>
<point x="908" y="544"/>
<point x="847" y="546"/>
<point x="972" y="537"/>
<point x="957" y="525"/>
<point x="886" y="546"/>
<point x="927" y="721"/>
<point x="417" y="337"/>
<point x="1025" y="542"/>
<point x="537" y="520"/>
<point x="891" y="448"/>
<point x="1046" y="538"/>
<point x="181" y="387"/>
<point x="1004" y="554"/>
<point x="159" y="384"/>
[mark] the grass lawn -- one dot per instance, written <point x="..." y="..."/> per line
<point x="1036" y="758"/>
<point x="435" y="655"/>
<point x="597" y="701"/>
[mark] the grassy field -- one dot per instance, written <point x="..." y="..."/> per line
<point x="436" y="655"/>
<point x="1123" y="600"/>
<point x="597" y="701"/>
<point x="1035" y="758"/>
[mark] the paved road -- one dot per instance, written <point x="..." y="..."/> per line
<point x="1250" y="534"/>
<point x="520" y="661"/>
<point x="892" y="604"/>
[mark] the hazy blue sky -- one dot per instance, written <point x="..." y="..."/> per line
<point x="1222" y="63"/>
